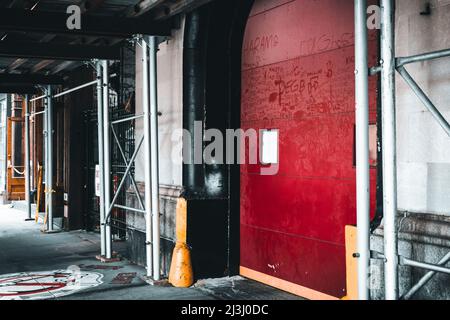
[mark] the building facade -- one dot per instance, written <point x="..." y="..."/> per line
<point x="283" y="67"/>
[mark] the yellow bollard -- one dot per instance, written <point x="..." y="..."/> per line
<point x="181" y="274"/>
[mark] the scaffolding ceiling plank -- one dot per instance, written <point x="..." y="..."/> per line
<point x="102" y="26"/>
<point x="23" y="49"/>
<point x="26" y="89"/>
<point x="16" y="79"/>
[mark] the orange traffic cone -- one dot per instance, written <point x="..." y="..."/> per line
<point x="181" y="274"/>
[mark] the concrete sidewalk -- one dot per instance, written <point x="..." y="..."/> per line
<point x="25" y="249"/>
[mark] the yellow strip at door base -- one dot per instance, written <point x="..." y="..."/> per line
<point x="284" y="285"/>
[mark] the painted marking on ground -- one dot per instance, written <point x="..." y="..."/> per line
<point x="47" y="284"/>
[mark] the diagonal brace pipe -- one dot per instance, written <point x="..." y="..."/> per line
<point x="133" y="182"/>
<point x="123" y="180"/>
<point x="424" y="99"/>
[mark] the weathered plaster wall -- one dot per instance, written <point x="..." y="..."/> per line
<point x="423" y="157"/>
<point x="170" y="104"/>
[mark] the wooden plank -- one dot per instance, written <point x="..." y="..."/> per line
<point x="14" y="186"/>
<point x="40" y="193"/>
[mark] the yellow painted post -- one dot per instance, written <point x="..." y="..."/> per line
<point x="351" y="263"/>
<point x="39" y="191"/>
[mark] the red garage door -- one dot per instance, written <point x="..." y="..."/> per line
<point x="298" y="78"/>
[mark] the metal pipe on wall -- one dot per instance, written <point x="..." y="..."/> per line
<point x="154" y="156"/>
<point x="194" y="54"/>
<point x="362" y="147"/>
<point x="147" y="150"/>
<point x="27" y="158"/>
<point x="106" y="158"/>
<point x="389" y="149"/>
<point x="49" y="164"/>
<point x="100" y="156"/>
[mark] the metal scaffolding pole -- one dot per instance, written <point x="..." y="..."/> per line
<point x="154" y="156"/>
<point x="36" y="113"/>
<point x="45" y="141"/>
<point x="423" y="265"/>
<point x="106" y="159"/>
<point x="27" y="159"/>
<point x="127" y="119"/>
<point x="49" y="164"/>
<point x="48" y="152"/>
<point x="362" y="147"/>
<point x="39" y="98"/>
<point x="63" y="93"/>
<point x="389" y="149"/>
<point x="402" y="61"/>
<point x="147" y="150"/>
<point x="100" y="156"/>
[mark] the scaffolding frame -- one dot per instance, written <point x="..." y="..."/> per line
<point x="149" y="139"/>
<point x="27" y="168"/>
<point x="389" y="66"/>
<point x="48" y="132"/>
